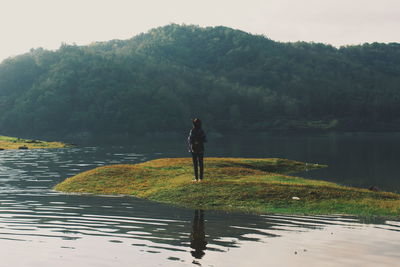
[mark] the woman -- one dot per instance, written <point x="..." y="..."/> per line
<point x="196" y="141"/>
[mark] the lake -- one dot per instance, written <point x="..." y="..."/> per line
<point x="41" y="227"/>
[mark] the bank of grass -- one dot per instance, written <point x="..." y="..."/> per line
<point x="7" y="142"/>
<point x="234" y="184"/>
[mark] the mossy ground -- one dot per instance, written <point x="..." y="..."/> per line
<point x="235" y="184"/>
<point x="15" y="143"/>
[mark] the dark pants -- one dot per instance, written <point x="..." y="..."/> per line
<point x="198" y="162"/>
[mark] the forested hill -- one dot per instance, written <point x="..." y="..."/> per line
<point x="234" y="81"/>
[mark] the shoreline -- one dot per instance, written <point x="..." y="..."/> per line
<point x="7" y="143"/>
<point x="234" y="184"/>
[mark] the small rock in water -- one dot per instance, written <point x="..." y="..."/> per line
<point x="23" y="147"/>
<point x="295" y="198"/>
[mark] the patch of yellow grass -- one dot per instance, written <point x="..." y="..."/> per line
<point x="15" y="143"/>
<point x="255" y="185"/>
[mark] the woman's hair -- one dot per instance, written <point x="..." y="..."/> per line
<point x="196" y="123"/>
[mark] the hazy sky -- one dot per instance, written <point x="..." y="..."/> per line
<point x="26" y="24"/>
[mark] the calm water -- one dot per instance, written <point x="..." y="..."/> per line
<point x="40" y="227"/>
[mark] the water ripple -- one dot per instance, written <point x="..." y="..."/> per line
<point x="31" y="211"/>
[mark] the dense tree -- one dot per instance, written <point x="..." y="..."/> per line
<point x="236" y="81"/>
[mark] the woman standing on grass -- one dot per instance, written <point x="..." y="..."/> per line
<point x="196" y="141"/>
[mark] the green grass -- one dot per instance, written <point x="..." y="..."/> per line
<point x="7" y="142"/>
<point x="234" y="184"/>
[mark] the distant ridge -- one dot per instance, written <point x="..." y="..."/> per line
<point x="235" y="81"/>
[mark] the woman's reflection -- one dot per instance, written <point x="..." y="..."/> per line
<point x="198" y="236"/>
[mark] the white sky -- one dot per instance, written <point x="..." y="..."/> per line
<point x="26" y="24"/>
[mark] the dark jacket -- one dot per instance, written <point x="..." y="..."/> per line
<point x="196" y="140"/>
